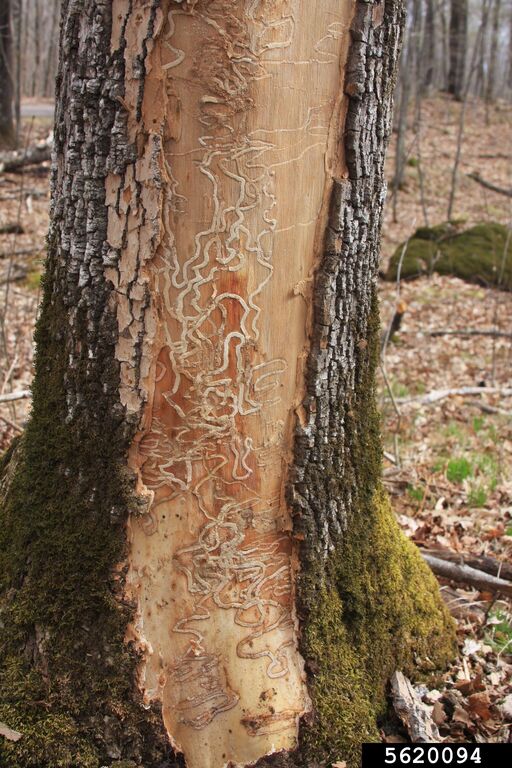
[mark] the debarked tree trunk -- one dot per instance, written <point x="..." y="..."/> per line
<point x="198" y="566"/>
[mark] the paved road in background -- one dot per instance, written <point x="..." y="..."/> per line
<point x="42" y="109"/>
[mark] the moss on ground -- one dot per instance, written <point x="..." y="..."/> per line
<point x="481" y="254"/>
<point x="375" y="608"/>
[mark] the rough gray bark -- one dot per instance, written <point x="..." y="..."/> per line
<point x="7" y="134"/>
<point x="66" y="493"/>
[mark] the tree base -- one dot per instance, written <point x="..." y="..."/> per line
<point x="382" y="611"/>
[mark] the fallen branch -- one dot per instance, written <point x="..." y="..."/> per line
<point x="13" y="228"/>
<point x="486" y="408"/>
<point x="21" y="252"/>
<point x="14" y="274"/>
<point x="488" y="185"/>
<point x="494" y="334"/>
<point x="413" y="713"/>
<point x="481" y="563"/>
<point x="12" y="162"/>
<point x="20" y="394"/>
<point x="467" y="575"/>
<point x="441" y="394"/>
<point x="462" y="608"/>
<point x="24" y="193"/>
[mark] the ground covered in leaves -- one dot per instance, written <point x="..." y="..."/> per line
<point x="448" y="462"/>
<point x="448" y="465"/>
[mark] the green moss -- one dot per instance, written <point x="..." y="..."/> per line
<point x="66" y="675"/>
<point x="375" y="608"/>
<point x="53" y="737"/>
<point x="380" y="612"/>
<point x="475" y="255"/>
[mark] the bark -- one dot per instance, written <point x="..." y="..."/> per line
<point x="195" y="551"/>
<point x="7" y="133"/>
<point x="458" y="47"/>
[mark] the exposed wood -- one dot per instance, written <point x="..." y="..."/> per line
<point x="489" y="185"/>
<point x="211" y="563"/>
<point x="13" y="162"/>
<point x="413" y="713"/>
<point x="467" y="575"/>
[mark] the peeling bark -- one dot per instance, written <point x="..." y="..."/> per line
<point x="239" y="124"/>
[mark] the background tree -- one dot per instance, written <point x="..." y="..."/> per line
<point x="7" y="133"/>
<point x="458" y="45"/>
<point x="195" y="549"/>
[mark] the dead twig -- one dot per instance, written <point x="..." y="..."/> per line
<point x="11" y="424"/>
<point x="489" y="185"/>
<point x="493" y="333"/>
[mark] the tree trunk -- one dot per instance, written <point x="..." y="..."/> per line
<point x="196" y="555"/>
<point x="493" y="53"/>
<point x="428" y="51"/>
<point x="458" y="46"/>
<point x="7" y="132"/>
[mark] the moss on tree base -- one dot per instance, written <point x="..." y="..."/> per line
<point x="481" y="254"/>
<point x="382" y="611"/>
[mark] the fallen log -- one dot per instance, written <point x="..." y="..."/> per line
<point x="13" y="162"/>
<point x="480" y="562"/>
<point x="466" y="575"/>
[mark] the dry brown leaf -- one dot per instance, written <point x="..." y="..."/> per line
<point x="479" y="704"/>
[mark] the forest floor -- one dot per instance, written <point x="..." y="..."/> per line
<point x="448" y="465"/>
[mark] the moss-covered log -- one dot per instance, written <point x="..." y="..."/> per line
<point x="197" y="562"/>
<point x="481" y="254"/>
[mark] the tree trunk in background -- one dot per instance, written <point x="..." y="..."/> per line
<point x="509" y="68"/>
<point x="458" y="46"/>
<point x="196" y="554"/>
<point x="48" y="87"/>
<point x="445" y="43"/>
<point x="428" y="51"/>
<point x="7" y="132"/>
<point x="493" y="52"/>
